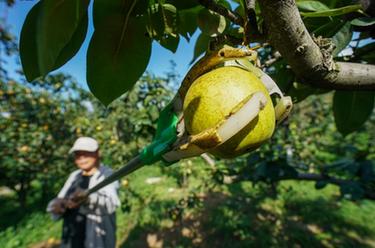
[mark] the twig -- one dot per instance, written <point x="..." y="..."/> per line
<point x="251" y="26"/>
<point x="274" y="59"/>
<point x="368" y="194"/>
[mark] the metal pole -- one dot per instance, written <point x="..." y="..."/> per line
<point x="131" y="166"/>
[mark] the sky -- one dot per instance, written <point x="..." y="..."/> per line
<point x="159" y="62"/>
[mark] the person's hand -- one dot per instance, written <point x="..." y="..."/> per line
<point x="58" y="206"/>
<point x="76" y="199"/>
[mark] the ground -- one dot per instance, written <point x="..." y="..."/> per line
<point x="234" y="215"/>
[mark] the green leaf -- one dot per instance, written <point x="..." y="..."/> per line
<point x="170" y="42"/>
<point x="366" y="171"/>
<point x="333" y="12"/>
<point x="352" y="109"/>
<point x="155" y="25"/>
<point x="311" y="6"/>
<point x="28" y="51"/>
<point x="342" y="38"/>
<point x="343" y="165"/>
<point x="170" y="18"/>
<point x="240" y="10"/>
<point x="368" y="48"/>
<point x="117" y="56"/>
<point x="363" y="21"/>
<point x="201" y="46"/>
<point x="162" y="19"/>
<point x="211" y="23"/>
<point x="366" y="53"/>
<point x="103" y="9"/>
<point x="52" y="34"/>
<point x="185" y="4"/>
<point x="187" y="21"/>
<point x="75" y="43"/>
<point x="330" y="28"/>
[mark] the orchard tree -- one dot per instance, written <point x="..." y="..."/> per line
<point x="36" y="133"/>
<point x="39" y="121"/>
<point x="305" y="37"/>
<point x="308" y="47"/>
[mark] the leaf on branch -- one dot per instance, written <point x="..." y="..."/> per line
<point x="183" y="5"/>
<point x="352" y="109"/>
<point x="342" y="165"/>
<point x="169" y="15"/>
<point x="187" y="21"/>
<point x="211" y="23"/>
<point x="52" y="34"/>
<point x="366" y="53"/>
<point x="366" y="171"/>
<point x="363" y="21"/>
<point x="169" y="42"/>
<point x="103" y="9"/>
<point x="311" y="6"/>
<point x="162" y="19"/>
<point x="201" y="46"/>
<point x="117" y="56"/>
<point x="333" y="12"/>
<point x="342" y="38"/>
<point x="330" y="28"/>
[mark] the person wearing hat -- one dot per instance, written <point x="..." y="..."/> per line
<point x="93" y="222"/>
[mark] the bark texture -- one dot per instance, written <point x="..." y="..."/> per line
<point x="310" y="58"/>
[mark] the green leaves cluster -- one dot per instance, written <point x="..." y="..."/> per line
<point x="120" y="48"/>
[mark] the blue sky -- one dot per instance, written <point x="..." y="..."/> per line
<point x="159" y="61"/>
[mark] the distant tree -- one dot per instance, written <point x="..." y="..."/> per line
<point x="40" y="121"/>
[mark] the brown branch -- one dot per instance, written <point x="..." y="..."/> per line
<point x="288" y="34"/>
<point x="251" y="25"/>
<point x="276" y="57"/>
<point x="221" y="10"/>
<point x="368" y="194"/>
<point x="251" y="15"/>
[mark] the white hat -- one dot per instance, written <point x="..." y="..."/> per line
<point x="85" y="144"/>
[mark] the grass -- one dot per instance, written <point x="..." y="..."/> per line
<point x="236" y="215"/>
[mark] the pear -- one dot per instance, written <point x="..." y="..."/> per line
<point x="215" y="95"/>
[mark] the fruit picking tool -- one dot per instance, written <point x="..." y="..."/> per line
<point x="172" y="143"/>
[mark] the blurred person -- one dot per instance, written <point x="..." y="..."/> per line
<point x="91" y="223"/>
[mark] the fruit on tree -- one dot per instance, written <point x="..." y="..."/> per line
<point x="214" y="95"/>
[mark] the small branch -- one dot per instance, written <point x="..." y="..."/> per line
<point x="288" y="34"/>
<point x="368" y="194"/>
<point x="318" y="177"/>
<point x="251" y="25"/>
<point x="221" y="10"/>
<point x="208" y="160"/>
<point x="251" y="15"/>
<point x="275" y="58"/>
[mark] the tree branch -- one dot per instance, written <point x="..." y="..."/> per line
<point x="368" y="194"/>
<point x="288" y="34"/>
<point x="251" y="25"/>
<point x="221" y="10"/>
